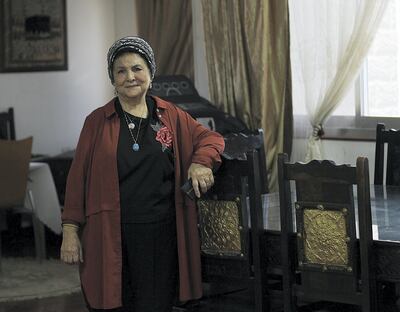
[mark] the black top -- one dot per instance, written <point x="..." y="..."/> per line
<point x="146" y="176"/>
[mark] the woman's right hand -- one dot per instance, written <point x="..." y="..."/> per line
<point x="71" y="250"/>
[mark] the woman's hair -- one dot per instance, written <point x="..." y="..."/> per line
<point x="131" y="44"/>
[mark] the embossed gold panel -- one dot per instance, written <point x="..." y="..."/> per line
<point x="325" y="237"/>
<point x="219" y="227"/>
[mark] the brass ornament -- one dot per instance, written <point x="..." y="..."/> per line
<point x="220" y="228"/>
<point x="325" y="237"/>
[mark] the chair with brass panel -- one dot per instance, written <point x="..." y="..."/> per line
<point x="390" y="137"/>
<point x="325" y="262"/>
<point x="14" y="167"/>
<point x="229" y="264"/>
<point x="223" y="228"/>
<point x="7" y="127"/>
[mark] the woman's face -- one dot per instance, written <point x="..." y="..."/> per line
<point x="131" y="76"/>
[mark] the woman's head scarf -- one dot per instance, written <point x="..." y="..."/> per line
<point x="131" y="44"/>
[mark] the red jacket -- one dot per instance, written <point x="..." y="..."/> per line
<point x="92" y="200"/>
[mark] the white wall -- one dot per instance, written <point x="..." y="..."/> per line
<point x="51" y="106"/>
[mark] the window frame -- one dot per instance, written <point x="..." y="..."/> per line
<point x="357" y="127"/>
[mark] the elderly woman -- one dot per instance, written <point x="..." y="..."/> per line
<point x="124" y="205"/>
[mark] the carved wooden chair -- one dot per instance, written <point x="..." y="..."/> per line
<point x="227" y="259"/>
<point x="390" y="137"/>
<point x="326" y="262"/>
<point x="7" y="127"/>
<point x="14" y="169"/>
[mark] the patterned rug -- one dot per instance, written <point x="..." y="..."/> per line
<point x="26" y="278"/>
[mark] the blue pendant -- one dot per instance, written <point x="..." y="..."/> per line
<point x="135" y="147"/>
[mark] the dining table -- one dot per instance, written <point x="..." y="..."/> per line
<point x="385" y="211"/>
<point x="42" y="192"/>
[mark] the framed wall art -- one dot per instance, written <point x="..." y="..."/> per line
<point x="34" y="36"/>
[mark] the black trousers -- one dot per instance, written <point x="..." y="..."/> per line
<point x="150" y="267"/>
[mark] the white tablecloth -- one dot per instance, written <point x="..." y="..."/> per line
<point x="46" y="204"/>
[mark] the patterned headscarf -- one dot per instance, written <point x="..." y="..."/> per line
<point x="131" y="44"/>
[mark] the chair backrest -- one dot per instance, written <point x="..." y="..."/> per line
<point x="14" y="169"/>
<point x="223" y="216"/>
<point x="223" y="225"/>
<point x="7" y="126"/>
<point x="333" y="265"/>
<point x="224" y="228"/>
<point x="238" y="144"/>
<point x="392" y="138"/>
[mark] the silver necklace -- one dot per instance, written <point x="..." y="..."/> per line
<point x="131" y="126"/>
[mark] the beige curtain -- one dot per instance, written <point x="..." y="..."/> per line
<point x="247" y="48"/>
<point x="167" y="26"/>
<point x="344" y="31"/>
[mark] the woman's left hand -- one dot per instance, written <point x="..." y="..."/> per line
<point x="202" y="178"/>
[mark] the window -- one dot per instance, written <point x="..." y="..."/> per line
<point x="375" y="96"/>
<point x="382" y="68"/>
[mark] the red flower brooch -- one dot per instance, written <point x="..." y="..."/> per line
<point x="163" y="135"/>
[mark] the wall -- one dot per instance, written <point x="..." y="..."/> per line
<point x="51" y="106"/>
